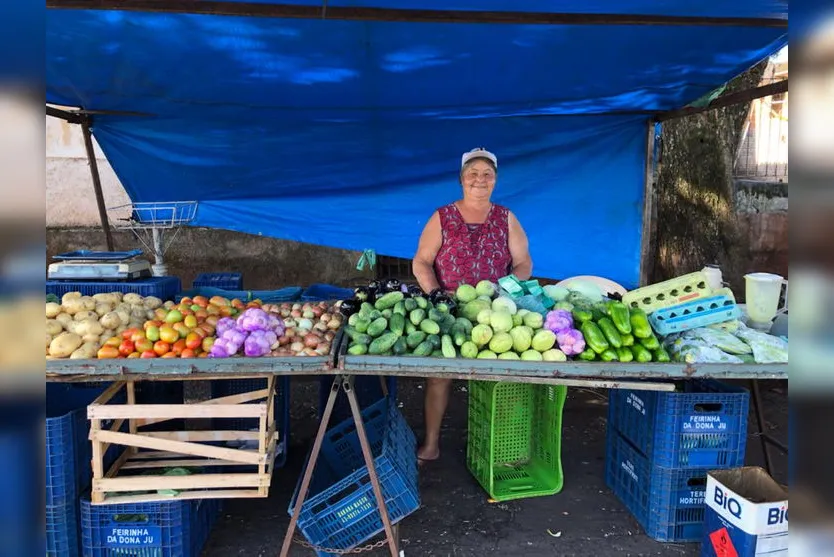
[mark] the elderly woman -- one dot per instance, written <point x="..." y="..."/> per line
<point x="465" y="242"/>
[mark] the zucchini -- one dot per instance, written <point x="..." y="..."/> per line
<point x="612" y="335"/>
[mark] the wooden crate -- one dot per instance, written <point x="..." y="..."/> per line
<point x="147" y="451"/>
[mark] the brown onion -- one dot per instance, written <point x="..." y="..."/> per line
<point x="289" y="332"/>
<point x="320" y="327"/>
<point x="297" y="347"/>
<point x="311" y="340"/>
<point x="297" y="307"/>
<point x="296" y="313"/>
<point x="334" y="324"/>
<point x="284" y="340"/>
<point x="323" y="350"/>
<point x="325" y="317"/>
<point x="308" y="314"/>
<point x="317" y="312"/>
<point x="329" y="335"/>
<point x="310" y="352"/>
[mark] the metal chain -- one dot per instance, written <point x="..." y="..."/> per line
<point x="370" y="547"/>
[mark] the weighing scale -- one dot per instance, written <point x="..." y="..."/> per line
<point x="99" y="265"/>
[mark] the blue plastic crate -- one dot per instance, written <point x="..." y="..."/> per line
<point x="288" y="294"/>
<point x="368" y="389"/>
<point x="226" y="281"/>
<point x="281" y="409"/>
<point x="667" y="502"/>
<point x="60" y="461"/>
<point x="706" y="425"/>
<point x="340" y="511"/>
<point x="165" y="288"/>
<point x="325" y="293"/>
<point x="62" y="533"/>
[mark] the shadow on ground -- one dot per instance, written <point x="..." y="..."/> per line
<point x="455" y="518"/>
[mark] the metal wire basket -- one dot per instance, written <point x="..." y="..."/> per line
<point x="155" y="214"/>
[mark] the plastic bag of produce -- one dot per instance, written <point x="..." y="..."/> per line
<point x="530" y="303"/>
<point x="696" y="351"/>
<point x="767" y="349"/>
<point x="720" y="339"/>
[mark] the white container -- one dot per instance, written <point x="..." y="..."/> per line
<point x="762" y="294"/>
<point x="715" y="279"/>
<point x="746" y="514"/>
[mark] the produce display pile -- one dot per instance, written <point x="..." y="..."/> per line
<point x="484" y="321"/>
<point x="116" y="325"/>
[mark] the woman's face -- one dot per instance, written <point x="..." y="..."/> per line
<point x="478" y="179"/>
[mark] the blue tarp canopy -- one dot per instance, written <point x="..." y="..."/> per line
<point x="349" y="133"/>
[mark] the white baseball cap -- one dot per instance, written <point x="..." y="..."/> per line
<point x="478" y="153"/>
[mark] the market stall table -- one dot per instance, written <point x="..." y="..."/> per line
<point x="648" y="376"/>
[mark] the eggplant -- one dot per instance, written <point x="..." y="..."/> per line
<point x="434" y="294"/>
<point x="393" y="285"/>
<point x="444" y="299"/>
<point x="349" y="307"/>
<point x="364" y="294"/>
<point x="375" y="285"/>
<point x="415" y="290"/>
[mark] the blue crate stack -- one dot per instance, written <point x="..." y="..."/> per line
<point x="226" y="281"/>
<point x="340" y="510"/>
<point x="368" y="388"/>
<point x="158" y="529"/>
<point x="660" y="446"/>
<point x="164" y="288"/>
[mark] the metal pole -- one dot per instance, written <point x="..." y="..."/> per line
<point x="760" y="421"/>
<point x="369" y="462"/>
<point x="91" y="156"/>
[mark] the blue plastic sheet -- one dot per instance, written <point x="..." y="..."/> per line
<point x="349" y="134"/>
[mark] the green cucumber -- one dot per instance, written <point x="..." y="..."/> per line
<point x="357" y="349"/>
<point x="389" y="300"/>
<point x="417" y="316"/>
<point x="435" y="315"/>
<point x="397" y="324"/>
<point x="400" y="309"/>
<point x="447" y="347"/>
<point x="624" y="354"/>
<point x="640" y="353"/>
<point x="594" y="337"/>
<point x="429" y="327"/>
<point x="382" y="343"/>
<point x="423" y="349"/>
<point x="409" y="328"/>
<point x="612" y="335"/>
<point x="414" y="339"/>
<point x="400" y="347"/>
<point x="353" y="318"/>
<point x="588" y="355"/>
<point x="608" y="355"/>
<point x="661" y="355"/>
<point x="365" y="310"/>
<point x="410" y="304"/>
<point x="458" y="335"/>
<point x="465" y="323"/>
<point x="362" y="324"/>
<point x="435" y="341"/>
<point x="378" y="327"/>
<point x="650" y="342"/>
<point x="421" y="302"/>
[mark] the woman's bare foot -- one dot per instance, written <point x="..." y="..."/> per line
<point x="428" y="454"/>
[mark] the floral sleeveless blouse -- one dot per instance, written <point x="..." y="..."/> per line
<point x="473" y="252"/>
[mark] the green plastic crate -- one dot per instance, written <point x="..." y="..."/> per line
<point x="514" y="448"/>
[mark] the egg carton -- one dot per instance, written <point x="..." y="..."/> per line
<point x="669" y="293"/>
<point x="694" y="314"/>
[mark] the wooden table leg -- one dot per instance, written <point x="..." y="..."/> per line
<point x="311" y="465"/>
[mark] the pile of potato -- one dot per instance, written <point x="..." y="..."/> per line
<point x="78" y="326"/>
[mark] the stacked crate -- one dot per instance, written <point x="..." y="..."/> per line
<point x="660" y="446"/>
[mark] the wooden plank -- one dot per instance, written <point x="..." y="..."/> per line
<point x="167" y="454"/>
<point x="193" y="449"/>
<point x="184" y="463"/>
<point x="117" y="465"/>
<point x="195" y="481"/>
<point x="169" y="411"/>
<point x="646" y="259"/>
<point x="728" y="100"/>
<point x="214" y="435"/>
<point x="350" y="13"/>
<point x="183" y="495"/>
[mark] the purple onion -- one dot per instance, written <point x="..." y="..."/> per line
<point x="224" y="325"/>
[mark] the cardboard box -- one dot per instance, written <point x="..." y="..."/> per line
<point x="746" y="514"/>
